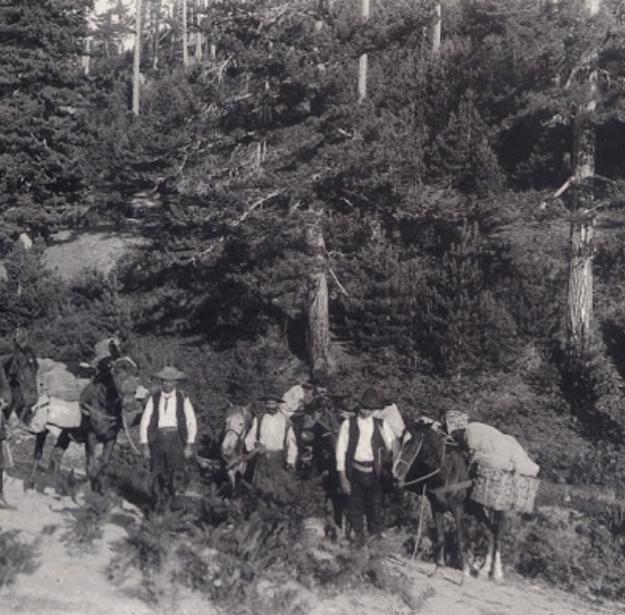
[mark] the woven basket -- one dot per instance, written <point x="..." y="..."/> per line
<point x="501" y="490"/>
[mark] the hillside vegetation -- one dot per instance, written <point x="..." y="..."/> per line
<point x="447" y="278"/>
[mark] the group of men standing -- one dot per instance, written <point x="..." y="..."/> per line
<point x="365" y="446"/>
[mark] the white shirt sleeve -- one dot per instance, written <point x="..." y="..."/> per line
<point x="189" y="414"/>
<point x="291" y="446"/>
<point x="392" y="443"/>
<point x="145" y="420"/>
<point x="250" y="438"/>
<point x="341" y="446"/>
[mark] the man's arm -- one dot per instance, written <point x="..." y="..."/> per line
<point x="189" y="414"/>
<point x="341" y="446"/>
<point x="250" y="438"/>
<point x="145" y="421"/>
<point x="392" y="443"/>
<point x="291" y="445"/>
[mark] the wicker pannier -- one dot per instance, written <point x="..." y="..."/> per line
<point x="501" y="490"/>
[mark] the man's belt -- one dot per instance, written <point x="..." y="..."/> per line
<point x="168" y="429"/>
<point x="363" y="466"/>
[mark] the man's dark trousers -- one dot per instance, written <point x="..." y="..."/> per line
<point x="167" y="466"/>
<point x="365" y="501"/>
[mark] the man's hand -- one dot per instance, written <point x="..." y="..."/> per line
<point x="290" y="467"/>
<point x="146" y="451"/>
<point x="345" y="484"/>
<point x="188" y="451"/>
<point x="260" y="448"/>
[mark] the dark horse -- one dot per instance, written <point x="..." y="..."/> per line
<point x="104" y="402"/>
<point x="432" y="463"/>
<point x="317" y="431"/>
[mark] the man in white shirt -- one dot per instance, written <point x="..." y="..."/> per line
<point x="363" y="449"/>
<point x="167" y="433"/>
<point x="271" y="434"/>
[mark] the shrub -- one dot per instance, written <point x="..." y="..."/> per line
<point x="16" y="557"/>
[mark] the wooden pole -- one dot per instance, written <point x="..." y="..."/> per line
<point x="185" y="42"/>
<point x="436" y="30"/>
<point x="363" y="60"/>
<point x="136" y="72"/>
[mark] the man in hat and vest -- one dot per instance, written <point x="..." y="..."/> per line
<point x="167" y="432"/>
<point x="364" y="445"/>
<point x="272" y="435"/>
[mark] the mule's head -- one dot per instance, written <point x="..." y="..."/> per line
<point x="238" y="422"/>
<point x="21" y="372"/>
<point x="125" y="375"/>
<point x="420" y="444"/>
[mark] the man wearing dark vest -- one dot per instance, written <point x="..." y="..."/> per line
<point x="363" y="446"/>
<point x="167" y="431"/>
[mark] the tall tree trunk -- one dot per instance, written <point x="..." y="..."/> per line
<point x="86" y="58"/>
<point x="363" y="60"/>
<point x="156" y="31"/>
<point x="199" y="34"/>
<point x="318" y="321"/>
<point x="136" y="72"/>
<point x="436" y="30"/>
<point x="185" y="42"/>
<point x="580" y="286"/>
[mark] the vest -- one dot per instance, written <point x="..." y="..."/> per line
<point x="377" y="446"/>
<point x="181" y="420"/>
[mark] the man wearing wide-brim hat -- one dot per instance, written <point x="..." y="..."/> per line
<point x="167" y="431"/>
<point x="364" y="445"/>
<point x="272" y="435"/>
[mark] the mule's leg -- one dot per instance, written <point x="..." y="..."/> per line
<point x="439" y="549"/>
<point x="60" y="447"/>
<point x="458" y="512"/>
<point x="90" y="460"/>
<point x="498" y="527"/>
<point x="481" y="516"/>
<point x="40" y="442"/>
<point x="4" y="505"/>
<point x="107" y="451"/>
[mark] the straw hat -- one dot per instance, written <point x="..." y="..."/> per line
<point x="169" y="372"/>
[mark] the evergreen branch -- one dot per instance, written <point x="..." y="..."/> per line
<point x="558" y="193"/>
<point x="338" y="282"/>
<point x="234" y="225"/>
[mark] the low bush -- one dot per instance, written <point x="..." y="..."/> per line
<point x="16" y="557"/>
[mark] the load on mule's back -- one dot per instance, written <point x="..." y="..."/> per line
<point x="434" y="462"/>
<point x="102" y="406"/>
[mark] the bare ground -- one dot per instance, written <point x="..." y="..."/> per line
<point x="72" y="581"/>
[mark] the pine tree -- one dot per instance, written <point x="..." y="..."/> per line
<point x="43" y="105"/>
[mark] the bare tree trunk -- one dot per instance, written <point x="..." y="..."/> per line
<point x="318" y="329"/>
<point x="136" y="72"/>
<point x="199" y="34"/>
<point x="86" y="58"/>
<point x="156" y="31"/>
<point x="436" y="30"/>
<point x="580" y="286"/>
<point x="185" y="42"/>
<point x="363" y="60"/>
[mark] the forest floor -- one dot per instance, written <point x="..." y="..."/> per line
<point x="72" y="579"/>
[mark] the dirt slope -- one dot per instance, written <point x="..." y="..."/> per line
<point x="75" y="583"/>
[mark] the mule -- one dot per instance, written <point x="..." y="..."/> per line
<point x="104" y="403"/>
<point x="240" y="464"/>
<point x="432" y="463"/>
